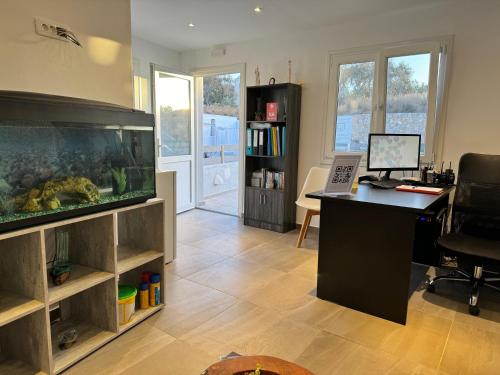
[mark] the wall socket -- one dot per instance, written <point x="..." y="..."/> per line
<point x="48" y="28"/>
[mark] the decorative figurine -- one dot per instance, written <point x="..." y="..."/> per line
<point x="257" y="76"/>
<point x="67" y="337"/>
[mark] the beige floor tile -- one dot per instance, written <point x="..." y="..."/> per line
<point x="255" y="233"/>
<point x="191" y="259"/>
<point x="222" y="223"/>
<point x="284" y="293"/>
<point x="126" y="351"/>
<point x="308" y="269"/>
<point x="315" y="312"/>
<point x="286" y="340"/>
<point x="216" y="349"/>
<point x="489" y="318"/>
<point x="421" y="340"/>
<point x="329" y="354"/>
<point x="177" y="358"/>
<point x="192" y="232"/>
<point x="188" y="305"/>
<point x="471" y="351"/>
<point x="434" y="303"/>
<point x="309" y="243"/>
<point x="275" y="255"/>
<point x="404" y="367"/>
<point x="227" y="244"/>
<point x="235" y="276"/>
<point x="237" y="325"/>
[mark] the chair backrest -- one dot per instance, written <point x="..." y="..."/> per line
<point x="315" y="181"/>
<point x="476" y="206"/>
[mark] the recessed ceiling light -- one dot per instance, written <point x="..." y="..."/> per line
<point x="257" y="9"/>
<point x="190" y="24"/>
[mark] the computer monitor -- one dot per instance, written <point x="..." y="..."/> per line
<point x="393" y="152"/>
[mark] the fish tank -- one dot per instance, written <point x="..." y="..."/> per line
<point x="63" y="157"/>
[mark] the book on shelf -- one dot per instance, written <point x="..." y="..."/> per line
<point x="261" y="142"/>
<point x="255" y="149"/>
<point x="272" y="111"/>
<point x="268" y="141"/>
<point x="268" y="179"/>
<point x="249" y="142"/>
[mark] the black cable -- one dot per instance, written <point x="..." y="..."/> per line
<point x="68" y="35"/>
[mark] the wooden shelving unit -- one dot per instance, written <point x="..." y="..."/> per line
<point x="269" y="208"/>
<point x="106" y="249"/>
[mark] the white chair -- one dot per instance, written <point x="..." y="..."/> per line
<point x="315" y="180"/>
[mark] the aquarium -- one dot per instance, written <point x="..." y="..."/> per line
<point x="62" y="157"/>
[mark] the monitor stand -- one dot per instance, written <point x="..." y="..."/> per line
<point x="386" y="182"/>
<point x="387" y="177"/>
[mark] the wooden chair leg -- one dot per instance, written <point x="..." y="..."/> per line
<point x="312" y="213"/>
<point x="305" y="226"/>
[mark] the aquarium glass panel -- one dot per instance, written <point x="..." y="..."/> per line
<point x="53" y="167"/>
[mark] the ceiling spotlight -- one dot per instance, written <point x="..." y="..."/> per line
<point x="257" y="9"/>
<point x="190" y="24"/>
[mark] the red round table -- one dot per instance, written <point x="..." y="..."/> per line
<point x="247" y="364"/>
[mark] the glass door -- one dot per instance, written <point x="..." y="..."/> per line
<point x="173" y="98"/>
<point x="219" y="128"/>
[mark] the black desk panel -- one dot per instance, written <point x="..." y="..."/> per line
<point x="366" y="247"/>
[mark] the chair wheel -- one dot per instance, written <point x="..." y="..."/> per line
<point x="431" y="288"/>
<point x="474" y="310"/>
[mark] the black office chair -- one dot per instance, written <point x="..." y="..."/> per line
<point x="475" y="232"/>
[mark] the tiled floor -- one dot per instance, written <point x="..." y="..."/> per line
<point x="236" y="288"/>
<point x="226" y="203"/>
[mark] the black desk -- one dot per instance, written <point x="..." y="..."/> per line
<point x="366" y="244"/>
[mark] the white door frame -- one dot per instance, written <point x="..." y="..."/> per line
<point x="199" y="74"/>
<point x="181" y="158"/>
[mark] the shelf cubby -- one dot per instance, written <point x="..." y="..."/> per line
<point x="21" y="277"/>
<point x="24" y="347"/>
<point x="103" y="247"/>
<point x="91" y="254"/>
<point x="133" y="247"/>
<point x="93" y="313"/>
<point x="133" y="277"/>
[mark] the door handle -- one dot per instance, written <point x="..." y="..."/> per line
<point x="260" y="198"/>
<point x="264" y="198"/>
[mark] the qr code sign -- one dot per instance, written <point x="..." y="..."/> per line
<point x="343" y="174"/>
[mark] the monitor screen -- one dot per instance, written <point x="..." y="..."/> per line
<point x="393" y="152"/>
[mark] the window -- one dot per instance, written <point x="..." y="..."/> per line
<point x="389" y="89"/>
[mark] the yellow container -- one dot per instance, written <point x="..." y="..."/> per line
<point x="126" y="302"/>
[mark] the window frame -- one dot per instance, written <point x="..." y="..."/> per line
<point x="380" y="55"/>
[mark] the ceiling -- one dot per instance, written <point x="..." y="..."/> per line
<point x="165" y="22"/>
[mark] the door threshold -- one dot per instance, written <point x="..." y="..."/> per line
<point x="218" y="212"/>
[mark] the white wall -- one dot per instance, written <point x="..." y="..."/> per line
<point x="472" y="116"/>
<point x="146" y="52"/>
<point x="101" y="70"/>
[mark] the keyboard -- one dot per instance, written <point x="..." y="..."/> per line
<point x="386" y="184"/>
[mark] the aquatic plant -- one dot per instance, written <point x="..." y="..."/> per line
<point x="149" y="182"/>
<point x="120" y="178"/>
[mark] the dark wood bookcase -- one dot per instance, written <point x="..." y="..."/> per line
<point x="274" y="209"/>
